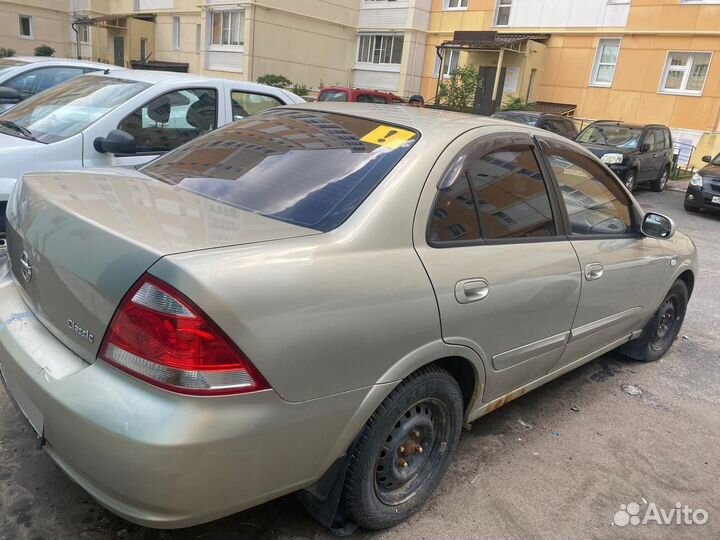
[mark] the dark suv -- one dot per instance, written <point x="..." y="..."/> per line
<point x="550" y="122"/>
<point x="703" y="193"/>
<point x="637" y="154"/>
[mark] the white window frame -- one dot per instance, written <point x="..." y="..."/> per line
<point x="687" y="69"/>
<point x="84" y="31"/>
<point x="596" y="64"/>
<point x="390" y="66"/>
<point x="700" y="1"/>
<point x="176" y="33"/>
<point x="458" y="7"/>
<point x="30" y="25"/>
<point x="226" y="13"/>
<point x="447" y="63"/>
<point x="498" y="5"/>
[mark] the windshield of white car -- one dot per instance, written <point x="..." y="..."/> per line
<point x="6" y="64"/>
<point x="68" y="108"/>
<point x="611" y="135"/>
<point x="308" y="168"/>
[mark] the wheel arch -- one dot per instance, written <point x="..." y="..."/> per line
<point x="688" y="277"/>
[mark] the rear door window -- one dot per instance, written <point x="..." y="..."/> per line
<point x="247" y="103"/>
<point x="370" y="98"/>
<point x="333" y="95"/>
<point x="307" y="168"/>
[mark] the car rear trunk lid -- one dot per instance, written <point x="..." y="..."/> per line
<point x="78" y="241"/>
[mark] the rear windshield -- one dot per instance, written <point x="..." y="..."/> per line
<point x="307" y="168"/>
<point x="333" y="95"/>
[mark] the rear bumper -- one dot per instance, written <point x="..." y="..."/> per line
<point x="701" y="198"/>
<point x="154" y="457"/>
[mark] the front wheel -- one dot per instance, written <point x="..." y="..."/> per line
<point x="660" y="183"/>
<point x="662" y="329"/>
<point x="404" y="449"/>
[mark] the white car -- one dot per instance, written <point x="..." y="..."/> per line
<point x="120" y="118"/>
<point x="22" y="77"/>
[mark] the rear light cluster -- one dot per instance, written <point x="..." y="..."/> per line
<point x="161" y="337"/>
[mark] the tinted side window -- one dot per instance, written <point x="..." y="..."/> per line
<point x="38" y="80"/>
<point x="511" y="196"/>
<point x="659" y="141"/>
<point x="668" y="139"/>
<point x="650" y="141"/>
<point x="595" y="202"/>
<point x="368" y="98"/>
<point x="172" y="119"/>
<point x="246" y="103"/>
<point x="453" y="217"/>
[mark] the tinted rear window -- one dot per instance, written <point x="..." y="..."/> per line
<point x="333" y="95"/>
<point x="304" y="167"/>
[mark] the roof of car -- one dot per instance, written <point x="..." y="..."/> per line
<point x="626" y="124"/>
<point x="157" y="77"/>
<point x="55" y="60"/>
<point x="427" y="121"/>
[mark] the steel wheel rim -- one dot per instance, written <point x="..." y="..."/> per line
<point x="412" y="451"/>
<point x="667" y="320"/>
<point x="664" y="178"/>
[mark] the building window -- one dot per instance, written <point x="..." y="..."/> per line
<point x="176" y="33"/>
<point x="84" y="31"/>
<point x="606" y="59"/>
<point x="449" y="66"/>
<point x="380" y="49"/>
<point x="26" y="26"/>
<point x="502" y="12"/>
<point x="143" y="48"/>
<point x="228" y="28"/>
<point x="685" y="73"/>
<point x="455" y="4"/>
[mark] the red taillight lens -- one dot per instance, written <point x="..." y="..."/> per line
<point x="160" y="336"/>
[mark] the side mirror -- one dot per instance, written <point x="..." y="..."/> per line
<point x="116" y="142"/>
<point x="657" y="226"/>
<point x="645" y="147"/>
<point x="9" y="95"/>
<point x="707" y="159"/>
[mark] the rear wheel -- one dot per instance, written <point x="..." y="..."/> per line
<point x="660" y="183"/>
<point x="631" y="180"/>
<point x="662" y="329"/>
<point x="404" y="449"/>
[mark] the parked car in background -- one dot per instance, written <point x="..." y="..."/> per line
<point x="121" y="118"/>
<point x="22" y="77"/>
<point x="561" y="125"/>
<point x="359" y="95"/>
<point x="703" y="192"/>
<point x="637" y="154"/>
<point x="318" y="297"/>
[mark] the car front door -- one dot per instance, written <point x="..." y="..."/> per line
<point x="621" y="267"/>
<point x="506" y="278"/>
<point x="647" y="163"/>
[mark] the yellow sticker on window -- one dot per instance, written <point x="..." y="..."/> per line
<point x="388" y="136"/>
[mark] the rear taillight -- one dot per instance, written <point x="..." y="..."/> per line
<point x="160" y="336"/>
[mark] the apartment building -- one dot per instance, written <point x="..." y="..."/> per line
<point x="312" y="42"/>
<point x="647" y="61"/>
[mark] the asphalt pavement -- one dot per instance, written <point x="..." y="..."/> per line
<point x="586" y="456"/>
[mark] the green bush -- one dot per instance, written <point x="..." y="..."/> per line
<point x="278" y="81"/>
<point x="517" y="104"/>
<point x="300" y="89"/>
<point x="458" y="93"/>
<point x="4" y="53"/>
<point x="44" y="50"/>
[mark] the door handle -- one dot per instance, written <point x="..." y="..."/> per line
<point x="593" y="271"/>
<point x="471" y="290"/>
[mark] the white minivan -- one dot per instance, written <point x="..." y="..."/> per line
<point x="120" y="118"/>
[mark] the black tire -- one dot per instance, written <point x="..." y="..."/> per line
<point x="690" y="208"/>
<point x="661" y="181"/>
<point x="662" y="328"/>
<point x="631" y="180"/>
<point x="419" y="425"/>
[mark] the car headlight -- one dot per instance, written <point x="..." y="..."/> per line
<point x="696" y="180"/>
<point x="612" y="159"/>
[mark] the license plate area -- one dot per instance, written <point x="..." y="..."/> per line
<point x="715" y="199"/>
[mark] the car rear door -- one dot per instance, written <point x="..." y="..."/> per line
<point x="621" y="267"/>
<point x="506" y="278"/>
